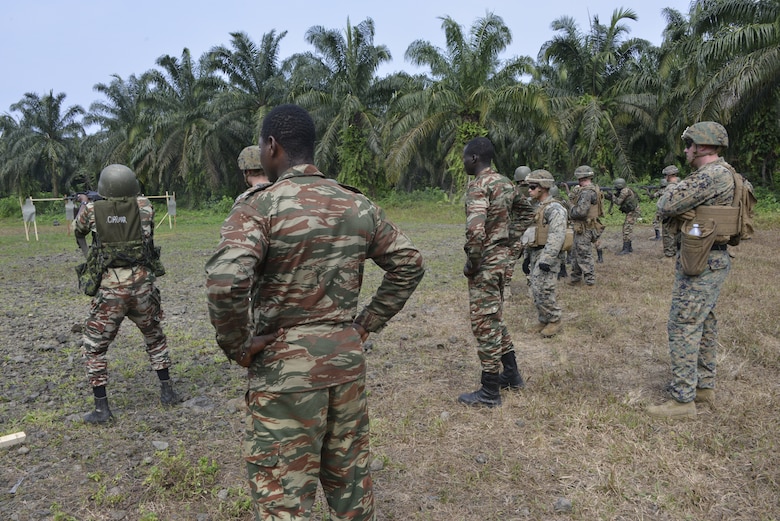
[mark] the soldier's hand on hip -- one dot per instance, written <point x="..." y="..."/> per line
<point x="258" y="344"/>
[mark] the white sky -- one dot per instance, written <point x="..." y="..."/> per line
<point x="69" y="46"/>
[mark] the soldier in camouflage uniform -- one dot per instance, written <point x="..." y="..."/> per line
<point x="283" y="290"/>
<point x="489" y="199"/>
<point x="692" y="325"/>
<point x="521" y="215"/>
<point x="628" y="202"/>
<point x="657" y="221"/>
<point x="543" y="251"/>
<point x="585" y="213"/>
<point x="127" y="285"/>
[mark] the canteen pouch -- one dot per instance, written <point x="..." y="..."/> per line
<point x="695" y="250"/>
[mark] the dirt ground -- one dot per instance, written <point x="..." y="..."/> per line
<point x="575" y="444"/>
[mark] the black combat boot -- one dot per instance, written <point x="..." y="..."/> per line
<point x="488" y="395"/>
<point x="101" y="414"/>
<point x="511" y="378"/>
<point x="600" y="255"/>
<point x="630" y="247"/>
<point x="626" y="248"/>
<point x="657" y="236"/>
<point x="167" y="395"/>
<point x="562" y="274"/>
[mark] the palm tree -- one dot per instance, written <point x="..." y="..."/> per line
<point x="468" y="92"/>
<point x="344" y="100"/>
<point x="183" y="147"/>
<point x="256" y="82"/>
<point x="119" y="121"/>
<point x="589" y="79"/>
<point x="43" y="149"/>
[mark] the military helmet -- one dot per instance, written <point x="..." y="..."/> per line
<point x="670" y="170"/>
<point x="520" y="173"/>
<point x="249" y="158"/>
<point x="555" y="191"/>
<point x="583" y="171"/>
<point x="542" y="178"/>
<point x="118" y="181"/>
<point x="707" y="133"/>
<point x="664" y="183"/>
<point x="620" y="183"/>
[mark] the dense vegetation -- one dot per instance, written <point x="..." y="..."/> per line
<point x="595" y="96"/>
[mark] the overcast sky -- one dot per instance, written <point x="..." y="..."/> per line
<point x="69" y="46"/>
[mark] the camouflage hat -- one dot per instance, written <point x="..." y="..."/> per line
<point x="707" y="133"/>
<point x="670" y="170"/>
<point x="118" y="181"/>
<point x="520" y="173"/>
<point x="583" y="171"/>
<point x="620" y="183"/>
<point x="542" y="178"/>
<point x="249" y="158"/>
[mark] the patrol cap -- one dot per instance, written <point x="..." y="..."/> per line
<point x="542" y="178"/>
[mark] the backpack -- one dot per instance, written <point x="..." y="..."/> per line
<point x="745" y="199"/>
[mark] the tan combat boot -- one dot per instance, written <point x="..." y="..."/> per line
<point x="673" y="410"/>
<point x="551" y="329"/>
<point x="705" y="396"/>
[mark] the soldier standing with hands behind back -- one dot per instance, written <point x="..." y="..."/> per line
<point x="283" y="291"/>
<point x="692" y="326"/>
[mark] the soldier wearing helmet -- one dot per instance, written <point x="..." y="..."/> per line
<point x="521" y="215"/>
<point x="692" y="325"/>
<point x="587" y="208"/>
<point x="670" y="179"/>
<point x="627" y="201"/>
<point x="544" y="251"/>
<point x="489" y="200"/>
<point x="254" y="174"/>
<point x="122" y="283"/>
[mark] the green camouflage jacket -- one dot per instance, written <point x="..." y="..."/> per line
<point x="489" y="199"/>
<point x="292" y="256"/>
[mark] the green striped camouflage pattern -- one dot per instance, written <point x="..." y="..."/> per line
<point x="297" y="248"/>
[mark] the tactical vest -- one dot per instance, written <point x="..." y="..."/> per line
<point x="596" y="210"/>
<point x="118" y="224"/>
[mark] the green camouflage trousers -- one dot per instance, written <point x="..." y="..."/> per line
<point x="109" y="307"/>
<point x="582" y="265"/>
<point x="543" y="285"/>
<point x="294" y="440"/>
<point x="693" y="328"/>
<point x="629" y="222"/>
<point x="486" y="311"/>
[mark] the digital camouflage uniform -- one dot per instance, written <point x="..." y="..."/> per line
<point x="586" y="209"/>
<point x="692" y="325"/>
<point x="631" y="217"/>
<point x="297" y="248"/>
<point x="543" y="283"/>
<point x="489" y="199"/>
<point x="668" y="235"/>
<point x="521" y="216"/>
<point x="124" y="292"/>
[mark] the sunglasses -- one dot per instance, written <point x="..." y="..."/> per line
<point x="688" y="142"/>
<point x="533" y="187"/>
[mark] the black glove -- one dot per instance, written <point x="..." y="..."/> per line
<point x="527" y="265"/>
<point x="544" y="266"/>
<point x="608" y="196"/>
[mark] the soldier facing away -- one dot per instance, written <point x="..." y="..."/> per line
<point x="692" y="325"/>
<point x="123" y="226"/>
<point x="628" y="203"/>
<point x="586" y="211"/>
<point x="283" y="290"/>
